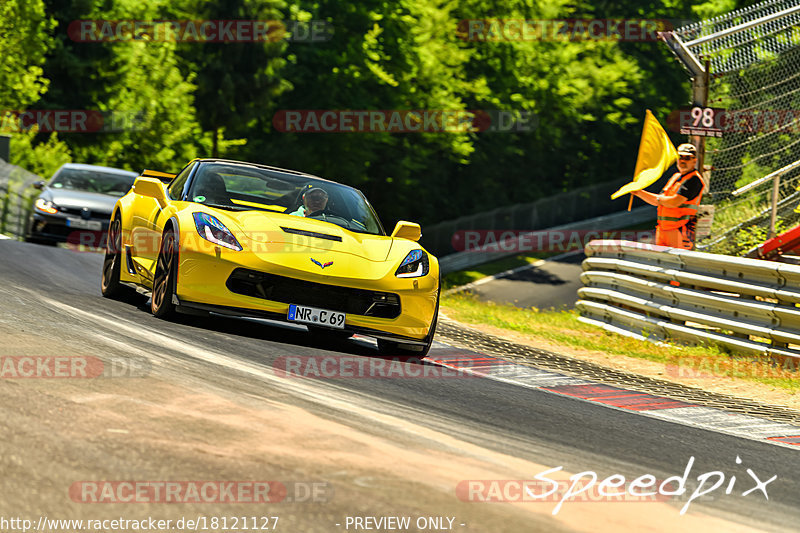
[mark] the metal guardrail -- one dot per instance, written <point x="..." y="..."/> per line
<point x="16" y="199"/>
<point x="515" y="246"/>
<point x="659" y="293"/>
<point x="15" y="211"/>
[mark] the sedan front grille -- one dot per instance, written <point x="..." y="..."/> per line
<point x="77" y="211"/>
<point x="294" y="291"/>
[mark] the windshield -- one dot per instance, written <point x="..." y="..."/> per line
<point x="93" y="181"/>
<point x="244" y="188"/>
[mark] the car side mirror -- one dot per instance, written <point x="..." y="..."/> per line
<point x="38" y="184"/>
<point x="152" y="188"/>
<point x="407" y="230"/>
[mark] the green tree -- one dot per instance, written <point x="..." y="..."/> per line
<point x="236" y="82"/>
<point x="382" y="56"/>
<point x="138" y="85"/>
<point x="25" y="32"/>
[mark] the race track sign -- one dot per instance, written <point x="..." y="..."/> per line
<point x="701" y="121"/>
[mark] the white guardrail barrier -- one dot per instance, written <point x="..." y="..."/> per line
<point x="659" y="293"/>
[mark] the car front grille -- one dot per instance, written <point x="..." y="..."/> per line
<point x="294" y="291"/>
<point x="76" y="211"/>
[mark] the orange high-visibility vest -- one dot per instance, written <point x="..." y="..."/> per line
<point x="677" y="217"/>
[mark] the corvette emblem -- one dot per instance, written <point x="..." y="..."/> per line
<point x="329" y="263"/>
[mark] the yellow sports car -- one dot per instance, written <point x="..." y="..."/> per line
<point x="244" y="239"/>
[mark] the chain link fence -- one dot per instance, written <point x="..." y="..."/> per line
<point x="755" y="78"/>
<point x="16" y="199"/>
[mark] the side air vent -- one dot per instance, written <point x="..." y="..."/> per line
<point x="129" y="260"/>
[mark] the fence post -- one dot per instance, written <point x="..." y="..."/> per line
<point x="4" y="212"/>
<point x="21" y="212"/>
<point x="700" y="97"/>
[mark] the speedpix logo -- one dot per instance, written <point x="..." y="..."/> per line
<point x="587" y="487"/>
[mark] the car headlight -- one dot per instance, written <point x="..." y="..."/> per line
<point x="215" y="231"/>
<point x="414" y="265"/>
<point x="45" y="206"/>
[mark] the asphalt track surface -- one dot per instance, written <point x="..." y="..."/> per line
<point x="553" y="284"/>
<point x="52" y="295"/>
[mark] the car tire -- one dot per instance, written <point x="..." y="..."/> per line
<point x="110" y="286"/>
<point x="164" y="278"/>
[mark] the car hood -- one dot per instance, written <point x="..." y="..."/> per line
<point x="298" y="234"/>
<point x="102" y="203"/>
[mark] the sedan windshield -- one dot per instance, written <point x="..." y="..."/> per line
<point x="245" y="188"/>
<point x="93" y="181"/>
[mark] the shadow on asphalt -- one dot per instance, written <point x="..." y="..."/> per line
<point x="535" y="275"/>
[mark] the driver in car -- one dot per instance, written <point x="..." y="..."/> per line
<point x="314" y="199"/>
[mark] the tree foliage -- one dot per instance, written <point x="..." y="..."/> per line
<point x="584" y="99"/>
<point x="235" y="82"/>
<point x="146" y="101"/>
<point x="24" y="36"/>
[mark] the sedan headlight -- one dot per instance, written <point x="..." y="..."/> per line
<point x="215" y="231"/>
<point x="415" y="265"/>
<point x="46" y="206"/>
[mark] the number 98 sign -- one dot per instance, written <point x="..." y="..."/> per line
<point x="703" y="121"/>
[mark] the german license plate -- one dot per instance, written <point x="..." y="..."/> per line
<point x="317" y="317"/>
<point x="94" y="225"/>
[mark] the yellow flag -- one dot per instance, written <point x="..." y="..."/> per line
<point x="656" y="154"/>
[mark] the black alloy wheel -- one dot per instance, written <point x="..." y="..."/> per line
<point x="164" y="279"/>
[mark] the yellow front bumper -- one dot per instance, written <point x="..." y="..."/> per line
<point x="203" y="273"/>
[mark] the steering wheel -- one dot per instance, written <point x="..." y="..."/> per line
<point x="320" y="212"/>
<point x="328" y="216"/>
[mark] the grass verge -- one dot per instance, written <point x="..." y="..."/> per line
<point x="562" y="331"/>
<point x="462" y="277"/>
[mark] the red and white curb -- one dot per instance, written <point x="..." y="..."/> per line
<point x="668" y="409"/>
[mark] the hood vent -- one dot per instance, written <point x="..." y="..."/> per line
<point x="307" y="233"/>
